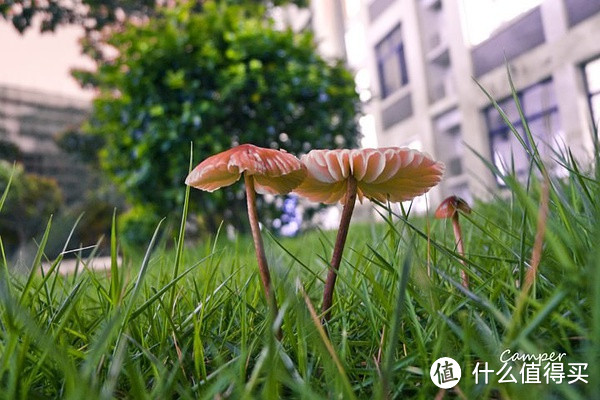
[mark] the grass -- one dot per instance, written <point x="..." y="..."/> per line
<point x="191" y="321"/>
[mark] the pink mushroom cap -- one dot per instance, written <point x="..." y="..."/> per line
<point x="274" y="171"/>
<point x="450" y="206"/>
<point x="391" y="173"/>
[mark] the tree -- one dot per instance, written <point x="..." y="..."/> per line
<point x="214" y="79"/>
<point x="98" y="15"/>
<point x="94" y="15"/>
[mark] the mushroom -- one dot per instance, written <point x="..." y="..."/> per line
<point x="449" y="208"/>
<point x="392" y="173"/>
<point x="265" y="171"/>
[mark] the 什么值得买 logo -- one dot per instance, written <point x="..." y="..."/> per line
<point x="514" y="367"/>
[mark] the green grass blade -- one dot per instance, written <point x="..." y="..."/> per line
<point x="386" y="371"/>
<point x="181" y="235"/>
<point x="36" y="263"/>
<point x="115" y="283"/>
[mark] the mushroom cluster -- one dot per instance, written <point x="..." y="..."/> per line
<point x="327" y="176"/>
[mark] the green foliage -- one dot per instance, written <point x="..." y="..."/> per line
<point x="215" y="78"/>
<point x="137" y="224"/>
<point x="97" y="17"/>
<point x="83" y="146"/>
<point x="9" y="151"/>
<point x="93" y="15"/>
<point x="31" y="199"/>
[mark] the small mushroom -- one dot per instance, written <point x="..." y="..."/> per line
<point x="265" y="171"/>
<point x="449" y="208"/>
<point x="392" y="173"/>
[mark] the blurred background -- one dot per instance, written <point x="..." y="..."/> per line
<point x="99" y="100"/>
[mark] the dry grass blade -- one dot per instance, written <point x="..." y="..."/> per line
<point x="316" y="321"/>
<point x="536" y="254"/>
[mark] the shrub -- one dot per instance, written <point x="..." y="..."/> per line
<point x="137" y="225"/>
<point x="31" y="199"/>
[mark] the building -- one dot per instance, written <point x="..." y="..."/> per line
<point x="40" y="100"/>
<point x="32" y="120"/>
<point x="416" y="63"/>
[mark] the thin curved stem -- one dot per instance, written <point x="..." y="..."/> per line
<point x="263" y="268"/>
<point x="338" y="250"/>
<point x="461" y="249"/>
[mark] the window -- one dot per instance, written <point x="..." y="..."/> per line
<point x="592" y="81"/>
<point x="448" y="141"/>
<point x="538" y="103"/>
<point x="580" y="10"/>
<point x="390" y="62"/>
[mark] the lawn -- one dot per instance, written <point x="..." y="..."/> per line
<point x="189" y="320"/>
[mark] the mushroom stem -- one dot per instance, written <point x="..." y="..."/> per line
<point x="461" y="249"/>
<point x="338" y="250"/>
<point x="263" y="268"/>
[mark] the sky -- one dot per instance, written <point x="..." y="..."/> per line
<point x="483" y="17"/>
<point x="42" y="61"/>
